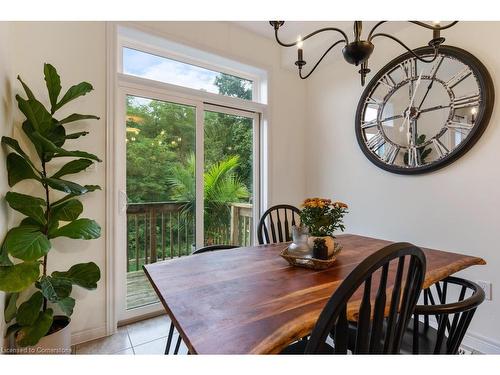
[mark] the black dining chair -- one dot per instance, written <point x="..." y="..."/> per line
<point x="276" y="223"/>
<point x="170" y="336"/>
<point x="452" y="303"/>
<point x="375" y="331"/>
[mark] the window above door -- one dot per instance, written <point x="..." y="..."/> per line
<point x="155" y="58"/>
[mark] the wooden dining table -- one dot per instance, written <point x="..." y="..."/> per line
<point x="249" y="300"/>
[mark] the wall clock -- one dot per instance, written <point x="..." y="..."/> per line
<point x="416" y="117"/>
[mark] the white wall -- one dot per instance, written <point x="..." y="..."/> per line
<point x="456" y="208"/>
<point x="78" y="50"/>
<point x="5" y="129"/>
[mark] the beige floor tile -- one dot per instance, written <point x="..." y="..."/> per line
<point x="158" y="347"/>
<point x="107" y="345"/>
<point x="148" y="330"/>
<point x="153" y="347"/>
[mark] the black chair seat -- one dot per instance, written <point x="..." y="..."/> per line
<point x="427" y="338"/>
<point x="299" y="347"/>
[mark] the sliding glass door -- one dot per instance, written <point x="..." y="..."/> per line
<point x="230" y="170"/>
<point x="160" y="186"/>
<point x="190" y="180"/>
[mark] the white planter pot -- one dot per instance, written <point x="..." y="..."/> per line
<point x="58" y="342"/>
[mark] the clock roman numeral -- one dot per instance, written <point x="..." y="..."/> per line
<point x="388" y="81"/>
<point x="409" y="68"/>
<point x="459" y="77"/>
<point x="375" y="142"/>
<point x="374" y="102"/>
<point x="369" y="124"/>
<point x="413" y="157"/>
<point x="459" y="125"/>
<point x="390" y="153"/>
<point x="440" y="148"/>
<point x="466" y="101"/>
<point x="436" y="66"/>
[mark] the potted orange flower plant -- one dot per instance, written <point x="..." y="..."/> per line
<point x="323" y="217"/>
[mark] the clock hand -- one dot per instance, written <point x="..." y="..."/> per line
<point x="426" y="93"/>
<point x="411" y="102"/>
<point x="435" y="70"/>
<point x="391" y="118"/>
<point x="434" y="108"/>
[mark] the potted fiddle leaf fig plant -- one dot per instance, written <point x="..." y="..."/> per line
<point x="39" y="304"/>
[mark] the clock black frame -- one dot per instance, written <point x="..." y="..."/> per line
<point x="482" y="118"/>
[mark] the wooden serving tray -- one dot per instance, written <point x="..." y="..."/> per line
<point x="309" y="261"/>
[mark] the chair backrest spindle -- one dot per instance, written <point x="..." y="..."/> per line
<point x="275" y="224"/>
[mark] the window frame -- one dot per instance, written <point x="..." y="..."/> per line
<point x="128" y="42"/>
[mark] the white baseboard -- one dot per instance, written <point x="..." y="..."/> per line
<point x="481" y="344"/>
<point x="88" y="335"/>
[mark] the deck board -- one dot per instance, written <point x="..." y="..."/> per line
<point x="139" y="290"/>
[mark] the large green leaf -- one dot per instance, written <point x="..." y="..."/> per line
<point x="67" y="305"/>
<point x="67" y="211"/>
<point x="27" y="90"/>
<point x="73" y="93"/>
<point x="30" y="335"/>
<point x="66" y="186"/>
<point x="18" y="277"/>
<point x="36" y="114"/>
<point x="76" y="154"/>
<point x="89" y="188"/>
<point x="29" y="130"/>
<point x="27" y="242"/>
<point x="53" y="82"/>
<point x="85" y="275"/>
<point x="18" y="169"/>
<point x="49" y="146"/>
<point x="76" y="135"/>
<point x="11" y="307"/>
<point x="28" y="311"/>
<point x="57" y="135"/>
<point x="77" y="117"/>
<point x="84" y="229"/>
<point x="72" y="167"/>
<point x="14" y="144"/>
<point x="27" y="205"/>
<point x="54" y="288"/>
<point x="4" y="256"/>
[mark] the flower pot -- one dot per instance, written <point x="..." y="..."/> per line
<point x="329" y="242"/>
<point x="58" y="341"/>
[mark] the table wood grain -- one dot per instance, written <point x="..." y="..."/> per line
<point x="250" y="301"/>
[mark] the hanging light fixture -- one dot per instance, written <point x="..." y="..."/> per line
<point x="359" y="51"/>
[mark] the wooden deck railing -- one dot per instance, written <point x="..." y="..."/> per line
<point x="162" y="230"/>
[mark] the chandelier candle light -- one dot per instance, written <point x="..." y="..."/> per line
<point x="359" y="51"/>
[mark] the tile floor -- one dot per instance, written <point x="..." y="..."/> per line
<point x="145" y="337"/>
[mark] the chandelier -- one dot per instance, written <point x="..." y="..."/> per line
<point x="359" y="51"/>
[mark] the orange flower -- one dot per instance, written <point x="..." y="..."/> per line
<point x="340" y="205"/>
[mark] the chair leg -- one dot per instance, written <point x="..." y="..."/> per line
<point x="177" y="345"/>
<point x="169" y="339"/>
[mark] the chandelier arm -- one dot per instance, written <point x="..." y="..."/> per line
<point x="310" y="35"/>
<point x="319" y="61"/>
<point x="375" y="27"/>
<point x="408" y="48"/>
<point x="431" y="27"/>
